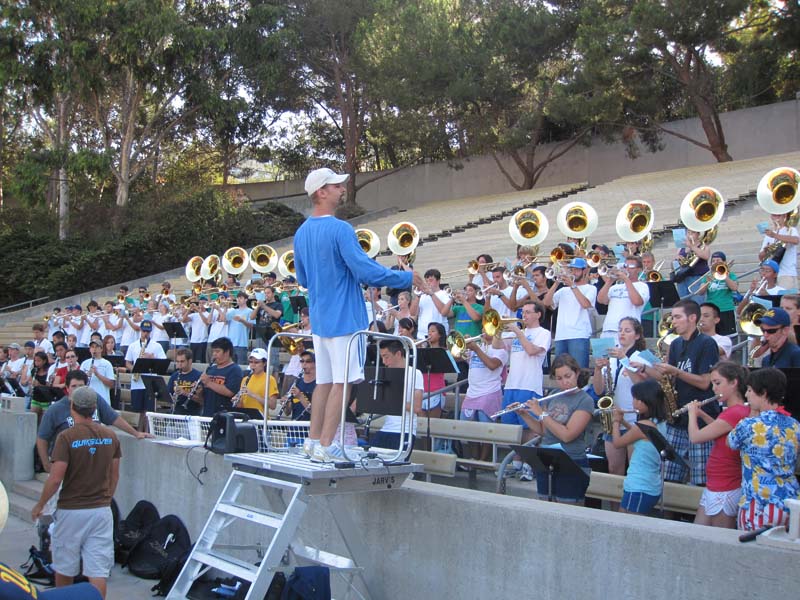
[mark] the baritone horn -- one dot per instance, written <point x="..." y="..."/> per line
<point x="750" y="319"/>
<point x="403" y="238"/>
<point x="263" y="258"/>
<point x="192" y="271"/>
<point x="493" y="324"/>
<point x="286" y="264"/>
<point x="235" y="260"/>
<point x="777" y="191"/>
<point x="577" y="220"/>
<point x="369" y="241"/>
<point x="702" y="209"/>
<point x="528" y="227"/>
<point x="634" y="221"/>
<point x="457" y="343"/>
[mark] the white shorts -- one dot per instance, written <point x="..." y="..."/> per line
<point x="329" y="356"/>
<point x="715" y="502"/>
<point x="83" y="534"/>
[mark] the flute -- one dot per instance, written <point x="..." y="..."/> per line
<point x="515" y="406"/>
<point x="685" y="409"/>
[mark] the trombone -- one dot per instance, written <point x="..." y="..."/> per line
<point x="718" y="272"/>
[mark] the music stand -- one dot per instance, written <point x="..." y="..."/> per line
<point x="383" y="396"/>
<point x="151" y="366"/>
<point x="174" y="331"/>
<point x="298" y="303"/>
<point x="665" y="451"/>
<point x="434" y="360"/>
<point x="116" y="361"/>
<point x="82" y="354"/>
<point x="47" y="394"/>
<point x="549" y="461"/>
<point x="775" y="299"/>
<point x="12" y="385"/>
<point x="156" y="389"/>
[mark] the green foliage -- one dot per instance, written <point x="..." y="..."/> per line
<point x="157" y="236"/>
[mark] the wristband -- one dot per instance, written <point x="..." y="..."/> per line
<point x="543" y="415"/>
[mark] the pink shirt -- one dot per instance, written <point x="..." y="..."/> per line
<point x="724" y="466"/>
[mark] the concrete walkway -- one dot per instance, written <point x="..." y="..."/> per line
<point x="18" y="536"/>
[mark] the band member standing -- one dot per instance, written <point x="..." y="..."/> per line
<point x="624" y="299"/>
<point x="789" y="237"/>
<point x="222" y="379"/>
<point x="198" y="320"/>
<point x="187" y="397"/>
<point x="691" y="357"/>
<point x="574" y="301"/>
<point x="331" y="265"/>
<point x="42" y="343"/>
<point x="485" y="393"/>
<point x="144" y="347"/>
<point x="431" y="306"/>
<point x="99" y="371"/>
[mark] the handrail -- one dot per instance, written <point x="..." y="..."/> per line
<point x="26" y="303"/>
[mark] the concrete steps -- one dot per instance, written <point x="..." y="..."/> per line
<point x="23" y="497"/>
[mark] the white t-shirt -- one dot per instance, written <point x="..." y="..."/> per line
<point x="117" y="333"/>
<point x="788" y="264"/>
<point x="15" y="366"/>
<point x="623" y="384"/>
<point x="382" y="306"/>
<point x="428" y="313"/>
<point x="128" y="333"/>
<point x="620" y="305"/>
<point x="497" y="304"/>
<point x="218" y="328"/>
<point x="69" y="326"/>
<point x="391" y="423"/>
<point x="44" y="346"/>
<point x="53" y="325"/>
<point x="483" y="380"/>
<point x="159" y="335"/>
<point x="105" y="369"/>
<point x="574" y="321"/>
<point x="725" y="344"/>
<point x="524" y="370"/>
<point x="199" y="332"/>
<point x="134" y="350"/>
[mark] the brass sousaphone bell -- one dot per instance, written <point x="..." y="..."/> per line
<point x="750" y="319"/>
<point x="577" y="220"/>
<point x="634" y="221"/>
<point x="369" y="241"/>
<point x="192" y="271"/>
<point x="403" y="240"/>
<point x="528" y="227"/>
<point x="702" y="209"/>
<point x="210" y="267"/>
<point x="235" y="260"/>
<point x="777" y="191"/>
<point x="286" y="264"/>
<point x="263" y="258"/>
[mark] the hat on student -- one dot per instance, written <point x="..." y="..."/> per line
<point x="270" y="275"/>
<point x="15" y="586"/>
<point x="30" y="344"/>
<point x="720" y="255"/>
<point x="774" y="317"/>
<point x="15" y="346"/>
<point x="319" y="178"/>
<point x="290" y="279"/>
<point x="602" y="247"/>
<point x="96" y="343"/>
<point x="259" y="354"/>
<point x="146" y="326"/>
<point x="84" y="397"/>
<point x="578" y="263"/>
<point x="771" y="264"/>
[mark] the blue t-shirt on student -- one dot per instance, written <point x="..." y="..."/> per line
<point x="229" y="376"/>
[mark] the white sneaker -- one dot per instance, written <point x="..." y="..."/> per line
<point x="331" y="454"/>
<point x="308" y="446"/>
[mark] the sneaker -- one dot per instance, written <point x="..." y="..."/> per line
<point x="527" y="473"/>
<point x="308" y="446"/>
<point x="329" y="454"/>
<point x="508" y="473"/>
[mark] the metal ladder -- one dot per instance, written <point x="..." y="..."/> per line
<point x="206" y="555"/>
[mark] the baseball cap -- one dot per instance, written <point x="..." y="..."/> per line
<point x="321" y="177"/>
<point x="259" y="354"/>
<point x="774" y="317"/>
<point x="95" y="343"/>
<point x="290" y="279"/>
<point x="578" y="263"/>
<point x="270" y="275"/>
<point x="146" y="326"/>
<point x="84" y="397"/>
<point x="772" y="265"/>
<point x="15" y="346"/>
<point x="30" y="344"/>
<point x="720" y="255"/>
<point x="602" y="247"/>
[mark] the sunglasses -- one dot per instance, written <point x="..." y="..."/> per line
<point x="770" y="331"/>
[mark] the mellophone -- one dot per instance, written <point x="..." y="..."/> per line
<point x="515" y="406"/>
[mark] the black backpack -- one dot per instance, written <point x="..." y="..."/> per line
<point x="171" y="571"/>
<point x="134" y="528"/>
<point x="166" y="542"/>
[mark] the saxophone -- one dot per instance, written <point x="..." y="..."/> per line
<point x="137" y="376"/>
<point x="609" y="380"/>
<point x="671" y="396"/>
<point x="662" y="345"/>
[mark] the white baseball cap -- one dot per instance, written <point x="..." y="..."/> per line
<point x="321" y="177"/>
<point x="259" y="354"/>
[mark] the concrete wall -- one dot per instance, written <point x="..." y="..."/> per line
<point x="750" y="133"/>
<point x="17" y="440"/>
<point x="432" y="541"/>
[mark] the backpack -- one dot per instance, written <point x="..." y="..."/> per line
<point x="133" y="528"/>
<point x="166" y="541"/>
<point x="171" y="571"/>
<point x="308" y="583"/>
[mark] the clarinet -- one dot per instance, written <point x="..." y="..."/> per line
<point x="238" y="395"/>
<point x="89" y="373"/>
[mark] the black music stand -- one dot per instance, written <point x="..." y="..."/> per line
<point x="434" y="360"/>
<point x="383" y="394"/>
<point x="12" y="386"/>
<point x="82" y="354"/>
<point x="665" y="451"/>
<point x="47" y="394"/>
<point x="549" y="461"/>
<point x="298" y="303"/>
<point x="156" y="389"/>
<point x="775" y="299"/>
<point x="151" y="366"/>
<point x="174" y="331"/>
<point x="116" y="361"/>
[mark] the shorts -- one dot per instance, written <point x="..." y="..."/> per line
<point x="84" y="534"/>
<point x="330" y="359"/>
<point x="752" y="516"/>
<point x="715" y="502"/>
<point x="566" y="488"/>
<point x="474" y="414"/>
<point x="432" y="402"/>
<point x="141" y="401"/>
<point x="638" y="502"/>
<point x="697" y="455"/>
<point x="511" y="396"/>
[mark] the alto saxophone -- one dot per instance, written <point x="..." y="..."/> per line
<point x="137" y="376"/>
<point x="671" y="397"/>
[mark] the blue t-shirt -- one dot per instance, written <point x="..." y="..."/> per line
<point x="57" y="418"/>
<point x="299" y="412"/>
<point x="238" y="333"/>
<point x="644" y="472"/>
<point x="331" y="264"/>
<point x="229" y="376"/>
<point x="15" y="586"/>
<point x="179" y="386"/>
<point x="788" y="356"/>
<point x="695" y="356"/>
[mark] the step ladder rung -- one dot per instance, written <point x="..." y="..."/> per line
<point x="226" y="564"/>
<point x="268" y="481"/>
<point x="248" y="513"/>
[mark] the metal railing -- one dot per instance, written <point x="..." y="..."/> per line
<point x="25" y="304"/>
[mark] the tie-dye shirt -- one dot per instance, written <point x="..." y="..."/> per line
<point x="768" y="444"/>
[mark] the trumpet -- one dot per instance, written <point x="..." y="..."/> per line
<point x="474" y="267"/>
<point x="457" y="343"/>
<point x="481" y="293"/>
<point x="684" y="409"/>
<point x="653" y="276"/>
<point x="382" y="313"/>
<point x="515" y="406"/>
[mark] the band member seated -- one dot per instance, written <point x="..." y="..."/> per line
<point x="642" y="485"/>
<point x="144" y="347"/>
<point x="184" y="387"/>
<point x="393" y="356"/>
<point x="719" y="504"/>
<point x="302" y="388"/>
<point x="768" y="444"/>
<point x="782" y="354"/>
<point x="252" y="392"/>
<point x="562" y="421"/>
<point x="222" y="379"/>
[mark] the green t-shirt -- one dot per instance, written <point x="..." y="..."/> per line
<point x="464" y="323"/>
<point x="719" y="294"/>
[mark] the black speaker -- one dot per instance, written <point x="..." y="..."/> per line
<point x="228" y="436"/>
